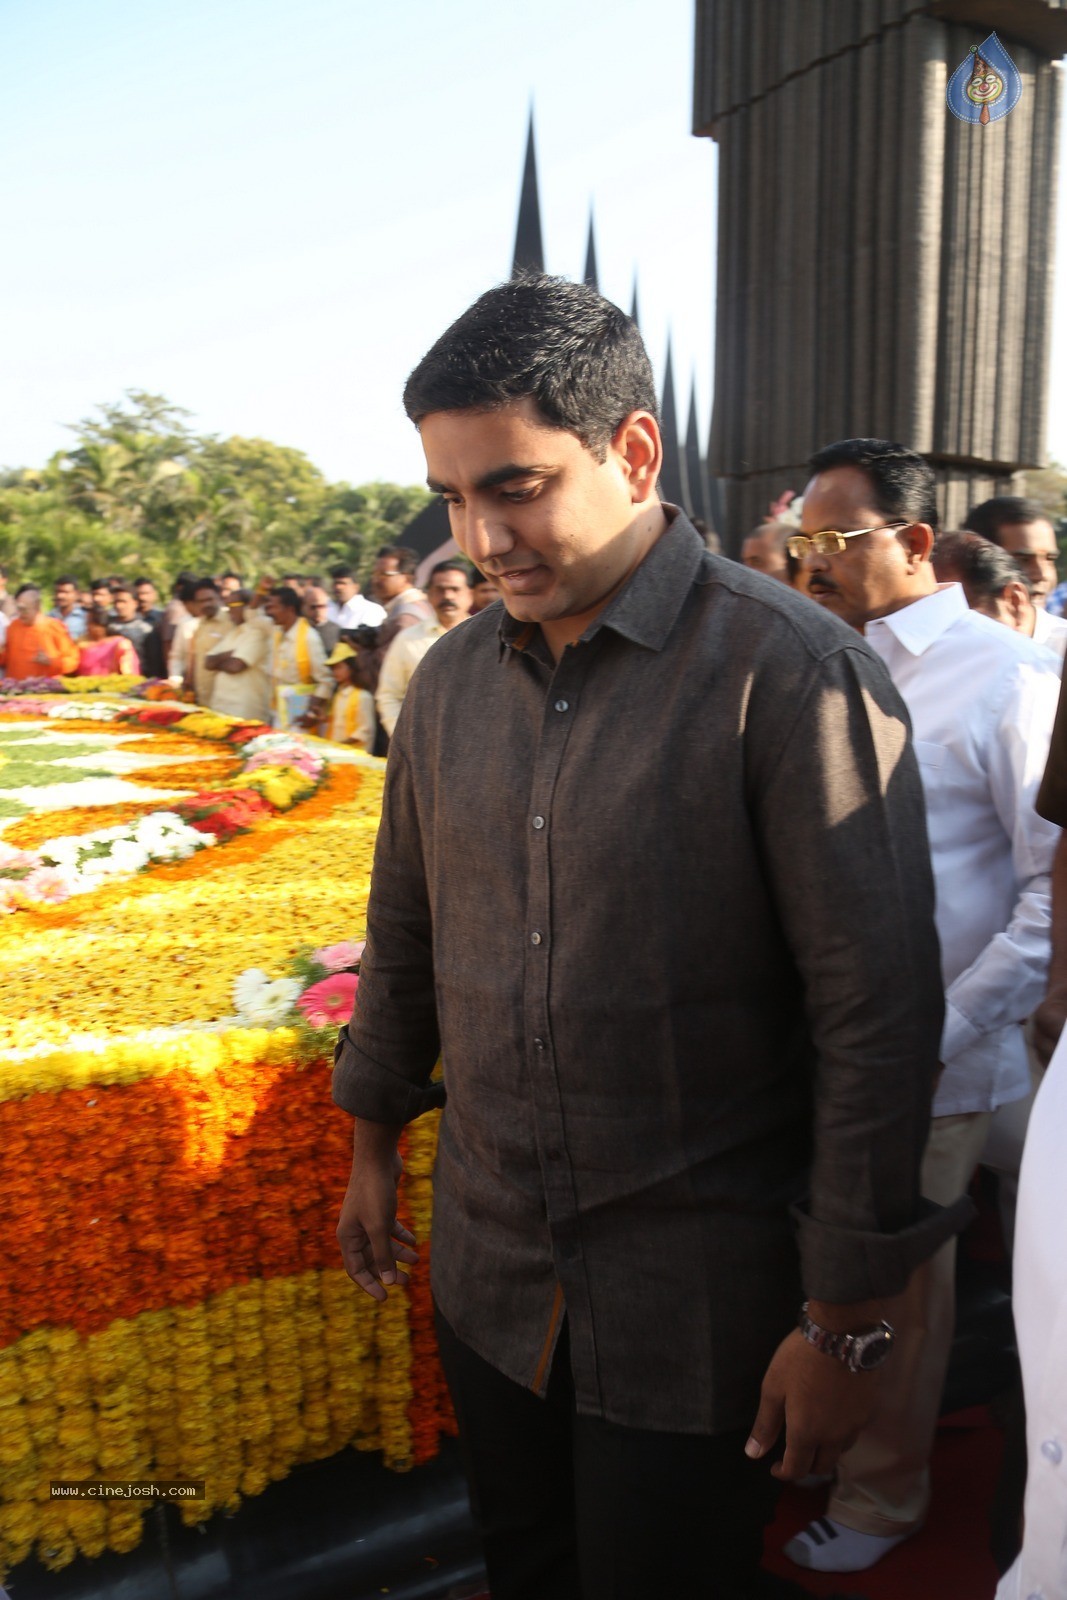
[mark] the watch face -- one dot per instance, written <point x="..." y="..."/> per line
<point x="871" y="1349"/>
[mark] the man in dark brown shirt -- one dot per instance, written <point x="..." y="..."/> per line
<point x="689" y="1007"/>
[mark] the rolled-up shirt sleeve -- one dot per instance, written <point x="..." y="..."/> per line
<point x="386" y="1053"/>
<point x="840" y="794"/>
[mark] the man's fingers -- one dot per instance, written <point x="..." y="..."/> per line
<point x="798" y="1460"/>
<point x="767" y="1426"/>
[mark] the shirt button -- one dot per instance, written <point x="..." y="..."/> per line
<point x="562" y="705"/>
<point x="538" y="822"/>
<point x="1052" y="1451"/>
<point x="554" y="1153"/>
<point x="535" y="938"/>
<point x="539" y="1044"/>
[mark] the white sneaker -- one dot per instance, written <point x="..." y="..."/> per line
<point x="828" y="1546"/>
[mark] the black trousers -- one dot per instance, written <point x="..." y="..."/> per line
<point x="576" y="1508"/>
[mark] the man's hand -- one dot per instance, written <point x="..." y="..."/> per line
<point x="372" y="1240"/>
<point x="1049" y="1019"/>
<point x="823" y="1405"/>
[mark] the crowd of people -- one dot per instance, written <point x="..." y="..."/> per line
<point x="309" y="650"/>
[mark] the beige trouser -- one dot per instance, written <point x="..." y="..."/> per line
<point x="883" y="1482"/>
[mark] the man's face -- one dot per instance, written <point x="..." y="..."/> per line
<point x="282" y="614"/>
<point x="125" y="607"/>
<point x="450" y="595"/>
<point x="552" y="526"/>
<point x="146" y="596"/>
<point x="1032" y="546"/>
<point x="344" y="589"/>
<point x="483" y="593"/>
<point x="762" y="552"/>
<point x="386" y="580"/>
<point x="873" y="575"/>
<point x="28" y="605"/>
<point x="316" y="605"/>
<point x="236" y="612"/>
<point x="66" y="597"/>
<point x="102" y="596"/>
<point x="207" y="604"/>
<point x="228" y="586"/>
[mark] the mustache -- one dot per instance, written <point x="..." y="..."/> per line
<point x="822" y="586"/>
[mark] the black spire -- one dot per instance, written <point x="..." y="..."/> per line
<point x="670" y="479"/>
<point x="696" y="469"/>
<point x="633" y="305"/>
<point x="589" y="276"/>
<point x="529" y="252"/>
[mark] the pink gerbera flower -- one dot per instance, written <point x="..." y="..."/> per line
<point x="329" y="1002"/>
<point x="47" y="886"/>
<point x="338" y="957"/>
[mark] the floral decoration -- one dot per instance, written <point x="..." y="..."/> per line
<point x="171" y="1299"/>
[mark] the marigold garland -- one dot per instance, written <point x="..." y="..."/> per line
<point x="171" y="1301"/>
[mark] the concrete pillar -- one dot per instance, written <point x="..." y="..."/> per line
<point x="884" y="268"/>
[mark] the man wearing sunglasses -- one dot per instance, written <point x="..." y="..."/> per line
<point x="982" y="701"/>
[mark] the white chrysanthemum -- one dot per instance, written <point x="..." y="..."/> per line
<point x="272" y="1003"/>
<point x="129" y="856"/>
<point x="247" y="986"/>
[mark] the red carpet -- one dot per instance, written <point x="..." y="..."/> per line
<point x="949" y="1559"/>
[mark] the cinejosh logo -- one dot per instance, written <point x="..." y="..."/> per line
<point x="986" y="85"/>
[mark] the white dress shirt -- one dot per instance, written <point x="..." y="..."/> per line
<point x="1050" y="631"/>
<point x="356" y="613"/>
<point x="982" y="700"/>
<point x="398" y="667"/>
<point x="1039" y="1302"/>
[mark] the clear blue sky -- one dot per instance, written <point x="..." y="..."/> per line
<point x="268" y="211"/>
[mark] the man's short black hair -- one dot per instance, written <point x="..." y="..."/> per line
<point x="288" y="597"/>
<point x="903" y="482"/>
<point x="236" y="575"/>
<point x="100" y="583"/>
<point x="342" y="572"/>
<point x="407" y="561"/>
<point x="451" y="565"/>
<point x="137" y="582"/>
<point x="123" y="588"/>
<point x="206" y="583"/>
<point x="984" y="569"/>
<point x="1001" y="512"/>
<point x="66" y="578"/>
<point x="562" y="345"/>
<point x="26" y="588"/>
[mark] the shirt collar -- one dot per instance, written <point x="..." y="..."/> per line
<point x="921" y="623"/>
<point x="646" y="610"/>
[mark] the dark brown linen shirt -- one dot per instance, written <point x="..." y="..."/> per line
<point x="667" y="908"/>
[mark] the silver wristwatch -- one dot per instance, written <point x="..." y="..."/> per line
<point x="859" y="1352"/>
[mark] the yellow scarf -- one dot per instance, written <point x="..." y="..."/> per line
<point x="344" y="715"/>
<point x="303" y="655"/>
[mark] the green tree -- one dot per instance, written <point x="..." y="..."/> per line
<point x="139" y="491"/>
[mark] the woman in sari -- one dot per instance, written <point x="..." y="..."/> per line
<point x="101" y="652"/>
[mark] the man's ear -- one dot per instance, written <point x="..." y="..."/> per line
<point x="918" y="541"/>
<point x="1016" y="597"/>
<point x="637" y="446"/>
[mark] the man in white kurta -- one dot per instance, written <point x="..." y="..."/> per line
<point x="449" y="592"/>
<point x="242" y="681"/>
<point x="1039" y="1302"/>
<point x="301" y="682"/>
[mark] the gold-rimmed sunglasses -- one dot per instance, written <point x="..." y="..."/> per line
<point x="830" y="543"/>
